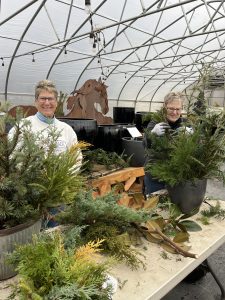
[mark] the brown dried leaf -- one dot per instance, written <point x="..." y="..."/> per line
<point x="151" y="203"/>
<point x="168" y="248"/>
<point x="181" y="237"/>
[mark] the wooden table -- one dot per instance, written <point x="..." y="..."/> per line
<point x="162" y="275"/>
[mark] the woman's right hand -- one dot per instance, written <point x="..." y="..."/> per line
<point x="160" y="128"/>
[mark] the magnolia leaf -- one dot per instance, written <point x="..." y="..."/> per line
<point x="191" y="225"/>
<point x="174" y="211"/>
<point x="151" y="203"/>
<point x="161" y="222"/>
<point x="181" y="237"/>
<point x="152" y="225"/>
<point x="153" y="238"/>
<point x="168" y="248"/>
<point x="183" y="246"/>
<point x="192" y="213"/>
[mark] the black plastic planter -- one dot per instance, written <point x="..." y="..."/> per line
<point x="189" y="195"/>
<point x="138" y="120"/>
<point x="109" y="137"/>
<point x="86" y="129"/>
<point x="134" y="147"/>
<point x="123" y="115"/>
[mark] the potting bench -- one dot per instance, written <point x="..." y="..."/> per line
<point x="164" y="272"/>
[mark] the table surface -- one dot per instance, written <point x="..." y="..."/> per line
<point x="161" y="275"/>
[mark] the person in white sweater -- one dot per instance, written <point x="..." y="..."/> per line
<point x="44" y="121"/>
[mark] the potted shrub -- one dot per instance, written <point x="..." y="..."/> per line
<point x="185" y="161"/>
<point x="31" y="179"/>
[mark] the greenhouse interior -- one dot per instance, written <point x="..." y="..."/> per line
<point x="120" y="102"/>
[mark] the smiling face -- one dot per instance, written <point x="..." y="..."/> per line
<point x="46" y="103"/>
<point x="173" y="110"/>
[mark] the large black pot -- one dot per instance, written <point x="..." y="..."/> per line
<point x="134" y="146"/>
<point x="86" y="129"/>
<point x="123" y="115"/>
<point x="188" y="196"/>
<point x="138" y="120"/>
<point x="110" y="136"/>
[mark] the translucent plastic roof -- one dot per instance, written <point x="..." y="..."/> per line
<point x="141" y="48"/>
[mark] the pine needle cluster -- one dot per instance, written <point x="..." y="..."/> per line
<point x="48" y="271"/>
<point x="179" y="156"/>
<point x="32" y="176"/>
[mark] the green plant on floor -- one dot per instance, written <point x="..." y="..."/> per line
<point x="49" y="271"/>
<point x="107" y="220"/>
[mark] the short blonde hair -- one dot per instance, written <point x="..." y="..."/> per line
<point x="45" y="85"/>
<point x="173" y="96"/>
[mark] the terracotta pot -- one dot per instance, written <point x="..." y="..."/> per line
<point x="20" y="234"/>
<point x="86" y="129"/>
<point x="134" y="147"/>
<point x="123" y="115"/>
<point x="188" y="196"/>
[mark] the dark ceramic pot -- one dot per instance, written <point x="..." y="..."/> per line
<point x="189" y="195"/>
<point x="109" y="137"/>
<point x="123" y="115"/>
<point x="86" y="129"/>
<point x="134" y="147"/>
<point x="138" y="120"/>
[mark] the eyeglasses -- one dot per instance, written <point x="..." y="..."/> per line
<point x="43" y="99"/>
<point x="172" y="109"/>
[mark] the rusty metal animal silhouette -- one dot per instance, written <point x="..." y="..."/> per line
<point x="82" y="103"/>
<point x="27" y="110"/>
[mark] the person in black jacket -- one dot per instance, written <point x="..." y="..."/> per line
<point x="173" y="104"/>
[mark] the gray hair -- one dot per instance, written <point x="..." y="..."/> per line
<point x="173" y="96"/>
<point x="45" y="85"/>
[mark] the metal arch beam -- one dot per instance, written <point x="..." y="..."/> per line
<point x="181" y="38"/>
<point x="68" y="40"/>
<point x="17" y="46"/>
<point x="132" y="20"/>
<point x="68" y="19"/>
<point x="144" y="44"/>
<point x="18" y="11"/>
<point x="167" y="66"/>
<point x="117" y="30"/>
<point x="166" y="81"/>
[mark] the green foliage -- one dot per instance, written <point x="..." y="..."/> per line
<point x="179" y="156"/>
<point x="47" y="270"/>
<point x="158" y="116"/>
<point x="113" y="243"/>
<point x="32" y="176"/>
<point x="105" y="219"/>
<point x="87" y="211"/>
<point x="109" y="159"/>
<point x="214" y="211"/>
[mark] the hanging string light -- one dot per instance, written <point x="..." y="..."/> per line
<point x="33" y="59"/>
<point x="88" y="6"/>
<point x="2" y="61"/>
<point x="65" y="51"/>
